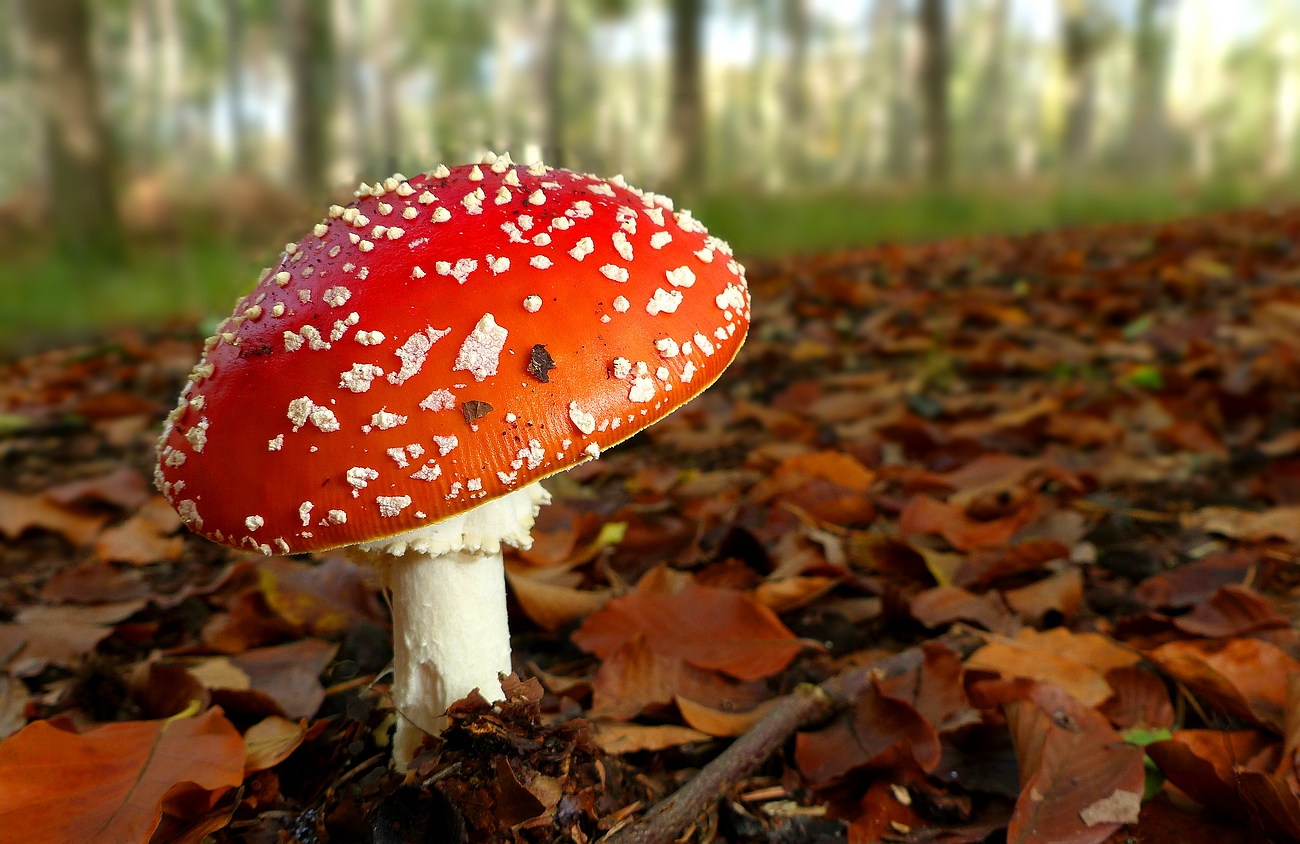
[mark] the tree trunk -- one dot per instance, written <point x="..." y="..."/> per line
<point x="555" y="17"/>
<point x="1150" y="72"/>
<point x="1080" y="40"/>
<point x="895" y="76"/>
<point x="933" y="19"/>
<point x="78" y="148"/>
<point x="309" y="53"/>
<point x="686" y="118"/>
<point x="797" y="25"/>
<point x="235" y="82"/>
<point x="390" y="123"/>
<point x="990" y="150"/>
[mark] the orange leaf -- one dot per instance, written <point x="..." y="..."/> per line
<point x="112" y="784"/>
<point x="1245" y="677"/>
<point x="835" y="466"/>
<point x="709" y="628"/>
<point x="21" y="512"/>
<point x="1077" y="662"/>
<point x="717" y="722"/>
<point x="924" y="514"/>
<point x="552" y="606"/>
<point x="270" y="741"/>
<point x="616" y="737"/>
<point x="634" y="677"/>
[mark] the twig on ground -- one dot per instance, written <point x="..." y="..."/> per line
<point x="807" y="704"/>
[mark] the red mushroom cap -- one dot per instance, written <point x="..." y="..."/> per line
<point x="443" y="341"/>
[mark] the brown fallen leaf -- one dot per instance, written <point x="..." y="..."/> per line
<point x="270" y="741"/>
<point x="1079" y="780"/>
<point x="112" y="785"/>
<point x="1076" y="662"/>
<point x="1140" y="700"/>
<point x="1232" y="611"/>
<point x="616" y="737"/>
<point x="551" y="606"/>
<point x="93" y="583"/>
<point x="289" y="674"/>
<point x="924" y="514"/>
<point x="717" y="722"/>
<point x="944" y="605"/>
<point x="709" y="628"/>
<point x="934" y="688"/>
<point x="1061" y="593"/>
<point x="634" y="678"/>
<point x="1206" y="765"/>
<point x="23" y="512"/>
<point x="877" y="732"/>
<point x="791" y="593"/>
<point x="323" y="599"/>
<point x="30" y="647"/>
<point x="137" y="541"/>
<point x="125" y="488"/>
<point x="1244" y="677"/>
<point x="1195" y="582"/>
<point x="1275" y="523"/>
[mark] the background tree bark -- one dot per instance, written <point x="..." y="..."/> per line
<point x="310" y="52"/>
<point x="78" y="148"/>
<point x="935" y="63"/>
<point x="234" y="13"/>
<point x="686" y="117"/>
<point x="1151" y="43"/>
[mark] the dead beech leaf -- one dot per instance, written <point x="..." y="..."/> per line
<point x="289" y="674"/>
<point x="1207" y="765"/>
<point x="1072" y="764"/>
<point x="616" y="737"/>
<point x="878" y="731"/>
<point x="1140" y="700"/>
<point x="934" y="689"/>
<point x="137" y="541"/>
<point x="125" y="488"/>
<point x="93" y="583"/>
<point x="22" y="512"/>
<point x="219" y="672"/>
<point x="634" y="678"/>
<point x="923" y="514"/>
<point x="1232" y="611"/>
<point x="1244" y="677"/>
<point x="1275" y="523"/>
<point x="322" y="600"/>
<point x="1062" y="593"/>
<point x="270" y="741"/>
<point x="721" y="723"/>
<point x="842" y="469"/>
<point x="112" y="785"/>
<point x="1195" y="582"/>
<point x="945" y="605"/>
<point x="551" y="606"/>
<point x="1077" y="662"/>
<point x="33" y="646"/>
<point x="791" y="593"/>
<point x="710" y="628"/>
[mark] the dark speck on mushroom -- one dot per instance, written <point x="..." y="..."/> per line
<point x="474" y="410"/>
<point x="540" y="363"/>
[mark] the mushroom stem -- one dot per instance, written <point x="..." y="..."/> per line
<point x="450" y="636"/>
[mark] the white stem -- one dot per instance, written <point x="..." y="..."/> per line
<point x="450" y="636"/>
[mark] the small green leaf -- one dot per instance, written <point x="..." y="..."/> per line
<point x="1147" y="377"/>
<point x="611" y="533"/>
<point x="1142" y="737"/>
<point x="1138" y="327"/>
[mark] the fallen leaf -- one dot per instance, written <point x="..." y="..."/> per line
<point x="1244" y="677"/>
<point x="322" y="600"/>
<point x="1206" y="765"/>
<point x="1061" y="593"/>
<point x="616" y="737"/>
<point x="289" y="674"/>
<point x="985" y="567"/>
<point x="944" y="605"/>
<point x="791" y="593"/>
<point x="1232" y="611"/>
<point x="1071" y="763"/>
<point x="552" y="607"/>
<point x="30" y="647"/>
<point x="934" y="688"/>
<point x="635" y="677"/>
<point x="924" y="514"/>
<point x="717" y="722"/>
<point x="137" y="541"/>
<point x="93" y="583"/>
<point x="270" y="741"/>
<point x="219" y="672"/>
<point x="709" y="628"/>
<point x="842" y="469"/>
<point x="877" y="732"/>
<point x="1275" y="523"/>
<point x="13" y="705"/>
<point x="23" y="512"/>
<point x="1195" y="582"/>
<point x="1077" y="662"/>
<point x="125" y="488"/>
<point x="111" y="785"/>
<point x="1140" y="699"/>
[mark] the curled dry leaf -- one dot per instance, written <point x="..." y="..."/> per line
<point x="111" y="785"/>
<point x="270" y="741"/>
<point x="722" y="723"/>
<point x="635" y="677"/>
<point x="709" y="628"/>
<point x="791" y="593"/>
<point x="137" y="541"/>
<point x="1276" y="523"/>
<point x="1140" y="700"/>
<point x="1206" y="765"/>
<point x="289" y="674"/>
<point x="1061" y="593"/>
<point x="1232" y="611"/>
<point x="944" y="605"/>
<point x="552" y="606"/>
<point x="1076" y="773"/>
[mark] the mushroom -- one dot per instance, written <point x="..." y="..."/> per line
<point x="404" y="376"/>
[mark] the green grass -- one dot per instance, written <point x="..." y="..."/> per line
<point x="50" y="299"/>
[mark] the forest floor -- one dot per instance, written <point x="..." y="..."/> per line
<point x="1035" y="501"/>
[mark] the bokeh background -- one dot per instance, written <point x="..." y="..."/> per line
<point x="155" y="153"/>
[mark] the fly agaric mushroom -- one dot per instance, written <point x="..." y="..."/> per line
<point x="404" y="376"/>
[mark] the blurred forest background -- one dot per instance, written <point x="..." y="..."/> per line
<point x="156" y="152"/>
